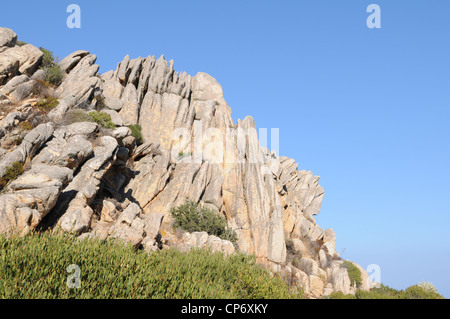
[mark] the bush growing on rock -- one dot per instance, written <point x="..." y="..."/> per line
<point x="353" y="273"/>
<point x="136" y="132"/>
<point x="76" y="116"/>
<point x="191" y="217"/>
<point x="53" y="73"/>
<point x="11" y="173"/>
<point x="47" y="104"/>
<point x="35" y="266"/>
<point x="102" y="119"/>
<point x="48" y="59"/>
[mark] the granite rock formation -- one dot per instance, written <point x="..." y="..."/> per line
<point x="92" y="181"/>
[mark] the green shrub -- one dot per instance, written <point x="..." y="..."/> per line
<point x="428" y="286"/>
<point x="76" y="116"/>
<point x="420" y="292"/>
<point x="102" y="119"/>
<point x="340" y="295"/>
<point x="53" y="73"/>
<point x="353" y="273"/>
<point x="136" y="132"/>
<point x="385" y="292"/>
<point x="192" y="218"/>
<point x="48" y="59"/>
<point x="11" y="173"/>
<point x="20" y="43"/>
<point x="35" y="266"/>
<point x="47" y="104"/>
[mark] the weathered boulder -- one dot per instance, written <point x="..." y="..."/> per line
<point x="115" y="117"/>
<point x="316" y="286"/>
<point x="70" y="152"/>
<point x="298" y="245"/>
<point x="70" y="61"/>
<point x="58" y="113"/>
<point x="339" y="278"/>
<point x="130" y="109"/>
<point x="13" y="83"/>
<point x="9" y="121"/>
<point x="309" y="266"/>
<point x="30" y="58"/>
<point x="24" y="59"/>
<point x="152" y="228"/>
<point x="31" y="143"/>
<point x="31" y="197"/>
<point x="129" y="226"/>
<point x="24" y="90"/>
<point x="7" y="37"/>
<point x="85" y="129"/>
<point x="109" y="212"/>
<point x="203" y="240"/>
<point x="81" y="81"/>
<point x="9" y="65"/>
<point x="81" y="191"/>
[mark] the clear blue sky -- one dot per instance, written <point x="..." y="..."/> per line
<point x="368" y="110"/>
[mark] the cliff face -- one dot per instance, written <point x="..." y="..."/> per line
<point x="97" y="182"/>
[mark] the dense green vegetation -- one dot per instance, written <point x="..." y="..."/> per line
<point x="353" y="273"/>
<point x="194" y="218"/>
<point x="35" y="266"/>
<point x="78" y="115"/>
<point x="385" y="292"/>
<point x="53" y="73"/>
<point x="102" y="119"/>
<point x="136" y="132"/>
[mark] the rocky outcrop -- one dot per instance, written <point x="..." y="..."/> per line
<point x="32" y="142"/>
<point x="96" y="182"/>
<point x="13" y="58"/>
<point x="82" y="190"/>
<point x="202" y="239"/>
<point x="7" y="38"/>
<point x="31" y="197"/>
<point x="81" y="81"/>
